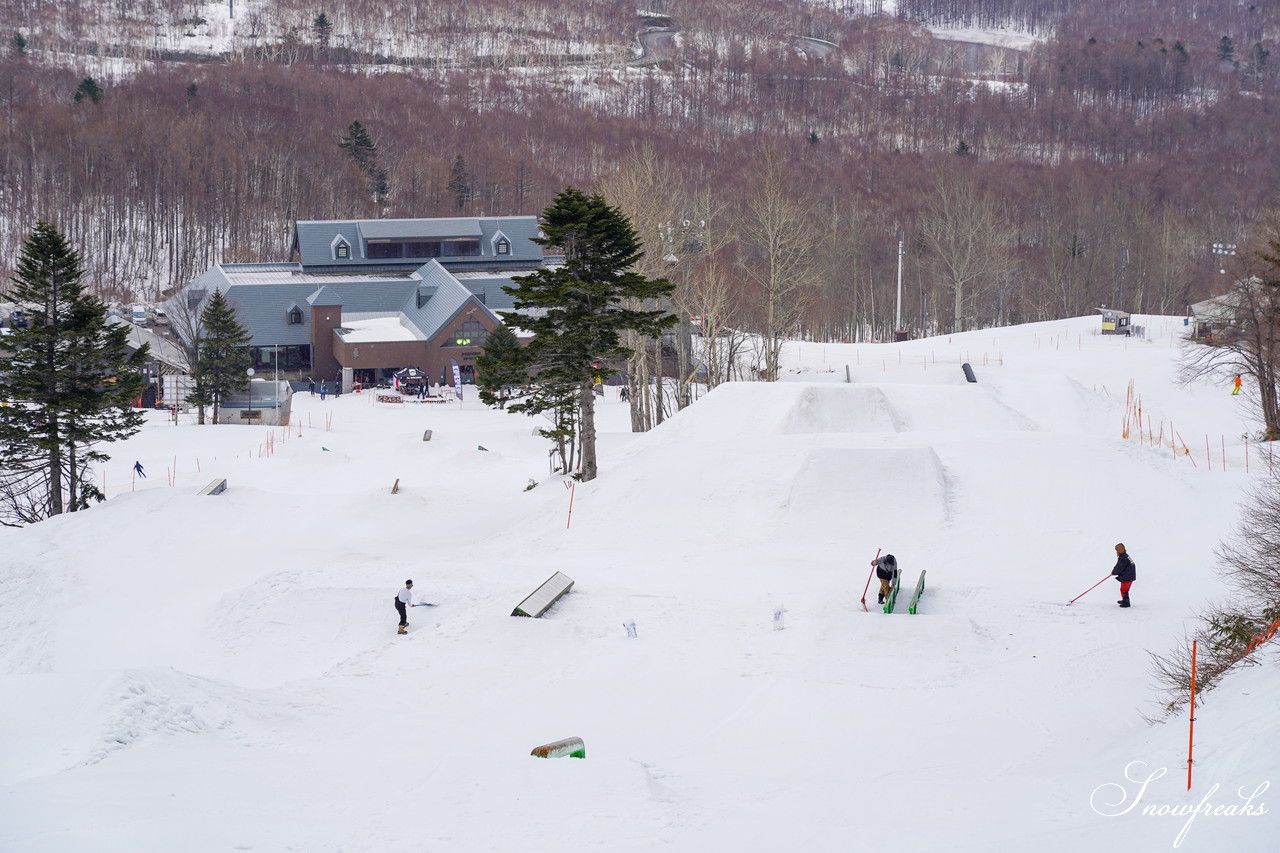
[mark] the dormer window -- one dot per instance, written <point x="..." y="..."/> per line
<point x="344" y="250"/>
<point x="502" y="247"/>
<point x="295" y="316"/>
<point x="341" y="248"/>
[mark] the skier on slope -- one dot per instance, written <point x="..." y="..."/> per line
<point x="403" y="599"/>
<point x="886" y="571"/>
<point x="1126" y="572"/>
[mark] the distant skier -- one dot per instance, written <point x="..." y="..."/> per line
<point x="137" y="469"/>
<point x="403" y="599"/>
<point x="886" y="571"/>
<point x="1236" y="388"/>
<point x="323" y="390"/>
<point x="1126" y="572"/>
<point x="311" y="386"/>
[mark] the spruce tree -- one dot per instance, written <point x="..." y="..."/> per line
<point x="362" y="150"/>
<point x="322" y="28"/>
<point x="581" y="308"/>
<point x="224" y="354"/>
<point x="500" y="368"/>
<point x="459" y="182"/>
<point x="90" y="89"/>
<point x="69" y="379"/>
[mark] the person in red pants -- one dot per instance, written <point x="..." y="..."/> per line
<point x="1126" y="571"/>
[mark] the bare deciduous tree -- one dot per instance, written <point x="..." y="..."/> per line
<point x="780" y="239"/>
<point x="1246" y="340"/>
<point x="969" y="238"/>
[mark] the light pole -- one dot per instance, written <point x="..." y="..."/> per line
<point x="1224" y="249"/>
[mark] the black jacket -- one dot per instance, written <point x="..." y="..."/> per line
<point x="1125" y="571"/>
<point x="886" y="567"/>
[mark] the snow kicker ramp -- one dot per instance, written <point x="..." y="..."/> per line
<point x="818" y="459"/>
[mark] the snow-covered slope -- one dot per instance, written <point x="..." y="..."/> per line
<point x="185" y="673"/>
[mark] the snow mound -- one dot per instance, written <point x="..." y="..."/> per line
<point x="882" y="492"/>
<point x="839" y="408"/>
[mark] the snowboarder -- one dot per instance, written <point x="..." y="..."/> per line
<point x="137" y="469"/>
<point x="403" y="599"/>
<point x="1126" y="571"/>
<point x="886" y="571"/>
<point x="1236" y="388"/>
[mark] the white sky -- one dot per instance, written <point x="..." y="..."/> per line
<point x="185" y="673"/>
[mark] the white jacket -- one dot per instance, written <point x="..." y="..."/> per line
<point x="405" y="595"/>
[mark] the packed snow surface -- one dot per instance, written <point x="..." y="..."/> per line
<point x="187" y="673"/>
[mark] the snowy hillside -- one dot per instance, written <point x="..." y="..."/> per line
<point x="185" y="673"/>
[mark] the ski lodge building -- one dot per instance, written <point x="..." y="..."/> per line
<point x="361" y="299"/>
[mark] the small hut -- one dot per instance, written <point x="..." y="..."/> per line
<point x="1114" y="322"/>
<point x="410" y="379"/>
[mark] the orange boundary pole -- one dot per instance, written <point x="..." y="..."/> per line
<point x="572" y="490"/>
<point x="1191" y="724"/>
<point x="868" y="586"/>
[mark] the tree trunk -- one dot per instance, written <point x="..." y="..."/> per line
<point x="587" y="430"/>
<point x="56" y="506"/>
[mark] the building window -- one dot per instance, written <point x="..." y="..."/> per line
<point x="289" y="358"/>
<point x="422" y="249"/>
<point x="295" y="316"/>
<point x="448" y="248"/>
<point x="503" y="247"/>
<point x="343" y="250"/>
<point x="469" y="334"/>
<point x="385" y="249"/>
<point x="460" y="248"/>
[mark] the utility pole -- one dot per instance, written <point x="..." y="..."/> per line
<point x="897" y="314"/>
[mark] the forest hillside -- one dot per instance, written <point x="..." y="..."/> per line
<point x="1095" y="163"/>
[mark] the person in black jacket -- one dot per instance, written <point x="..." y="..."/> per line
<point x="1126" y="572"/>
<point x="886" y="571"/>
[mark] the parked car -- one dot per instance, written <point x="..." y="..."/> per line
<point x="18" y="320"/>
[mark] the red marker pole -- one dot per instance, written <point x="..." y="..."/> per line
<point x="1191" y="724"/>
<point x="1090" y="589"/>
<point x="868" y="586"/>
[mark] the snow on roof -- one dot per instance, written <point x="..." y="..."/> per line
<point x="379" y="329"/>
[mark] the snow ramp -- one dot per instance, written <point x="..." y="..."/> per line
<point x="891" y="492"/>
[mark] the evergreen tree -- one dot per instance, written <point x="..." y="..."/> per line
<point x="224" y="354"/>
<point x="1226" y="49"/>
<point x="90" y="89"/>
<point x="500" y="368"/>
<point x="69" y="379"/>
<point x="581" y="308"/>
<point x="360" y="146"/>
<point x="322" y="28"/>
<point x="459" y="182"/>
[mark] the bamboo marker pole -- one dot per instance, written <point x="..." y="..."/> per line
<point x="1191" y="723"/>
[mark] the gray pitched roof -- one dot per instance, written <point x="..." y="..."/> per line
<point x="314" y="241"/>
<point x="264" y="294"/>
<point x="408" y="229"/>
<point x="488" y="286"/>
